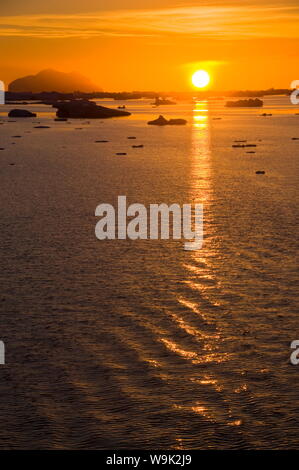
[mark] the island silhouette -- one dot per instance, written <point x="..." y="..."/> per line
<point x="52" y="80"/>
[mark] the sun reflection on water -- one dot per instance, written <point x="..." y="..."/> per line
<point x="201" y="154"/>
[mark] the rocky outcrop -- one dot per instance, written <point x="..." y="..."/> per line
<point x="86" y="109"/>
<point x="161" y="121"/>
<point x="251" y="103"/>
<point x="162" y="101"/>
<point x="177" y="122"/>
<point x="21" y="113"/>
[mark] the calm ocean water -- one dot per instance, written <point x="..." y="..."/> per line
<point x="140" y="344"/>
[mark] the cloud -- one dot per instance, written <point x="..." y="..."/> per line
<point x="218" y="21"/>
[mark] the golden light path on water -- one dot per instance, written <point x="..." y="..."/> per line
<point x="200" y="267"/>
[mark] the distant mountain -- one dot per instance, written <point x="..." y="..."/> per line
<point x="51" y="80"/>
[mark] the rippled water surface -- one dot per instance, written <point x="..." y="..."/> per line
<point x="141" y="344"/>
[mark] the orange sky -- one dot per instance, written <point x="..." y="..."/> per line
<point x="151" y="45"/>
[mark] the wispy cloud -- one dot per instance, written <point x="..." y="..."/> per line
<point x="219" y="21"/>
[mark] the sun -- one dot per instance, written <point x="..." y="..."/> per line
<point x="200" y="79"/>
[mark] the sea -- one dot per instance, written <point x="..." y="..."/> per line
<point x="141" y="344"/>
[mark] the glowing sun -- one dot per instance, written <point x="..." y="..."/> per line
<point x="200" y="79"/>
